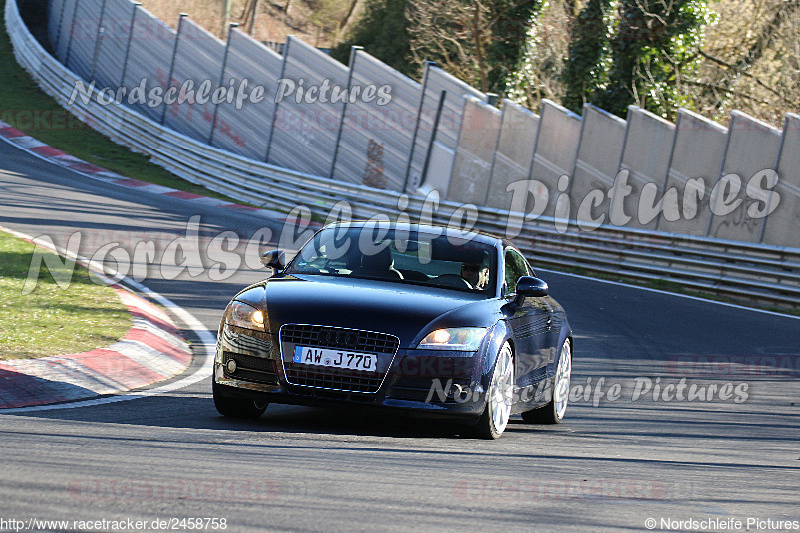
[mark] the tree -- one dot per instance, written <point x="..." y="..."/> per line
<point x="479" y="41"/>
<point x="526" y="85"/>
<point x="654" y="48"/>
<point x="383" y="32"/>
<point x="509" y="29"/>
<point x="586" y="68"/>
<point x="751" y="61"/>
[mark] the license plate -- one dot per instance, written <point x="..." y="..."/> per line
<point x="336" y="358"/>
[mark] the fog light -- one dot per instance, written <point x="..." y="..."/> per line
<point x="455" y="391"/>
<point x="231" y="366"/>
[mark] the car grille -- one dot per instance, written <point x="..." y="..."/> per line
<point x="250" y="368"/>
<point x="333" y="378"/>
<point x="349" y="339"/>
<point x="381" y="344"/>
<point x="418" y="389"/>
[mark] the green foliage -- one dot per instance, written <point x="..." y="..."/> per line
<point x="653" y="50"/>
<point x="479" y="42"/>
<point x="383" y="32"/>
<point x="522" y="85"/>
<point x="509" y="29"/>
<point x="586" y="68"/>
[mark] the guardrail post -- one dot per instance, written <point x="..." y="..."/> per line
<point x="275" y="111"/>
<point x="777" y="165"/>
<point x="492" y="99"/>
<point x="662" y="190"/>
<point x="621" y="153"/>
<point x="721" y="170"/>
<point x="172" y="65"/>
<point x="99" y="41"/>
<point x="428" y="154"/>
<point x="353" y="53"/>
<point x="128" y="47"/>
<point x="428" y="65"/>
<point x="222" y="78"/>
<point x="58" y="33"/>
<point x="71" y="32"/>
<point x="568" y="191"/>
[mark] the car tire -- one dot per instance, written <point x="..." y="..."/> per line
<point x="242" y="408"/>
<point x="500" y="397"/>
<point x="553" y="412"/>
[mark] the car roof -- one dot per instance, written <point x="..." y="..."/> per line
<point x="447" y="231"/>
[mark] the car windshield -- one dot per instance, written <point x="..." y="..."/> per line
<point x="406" y="255"/>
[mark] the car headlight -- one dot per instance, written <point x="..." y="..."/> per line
<point x="466" y="339"/>
<point x="245" y="316"/>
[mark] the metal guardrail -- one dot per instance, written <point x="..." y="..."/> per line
<point x="759" y="273"/>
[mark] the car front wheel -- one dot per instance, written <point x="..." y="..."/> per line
<point x="495" y="417"/>
<point x="242" y="408"/>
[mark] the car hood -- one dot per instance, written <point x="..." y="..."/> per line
<point x="405" y="310"/>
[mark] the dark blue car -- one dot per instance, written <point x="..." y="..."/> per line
<point x="419" y="318"/>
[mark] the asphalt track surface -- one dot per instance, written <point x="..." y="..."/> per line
<point x="608" y="467"/>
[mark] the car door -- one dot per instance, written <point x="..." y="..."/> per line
<point x="530" y="324"/>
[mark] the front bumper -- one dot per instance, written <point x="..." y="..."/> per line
<point x="427" y="382"/>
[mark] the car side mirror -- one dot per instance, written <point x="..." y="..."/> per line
<point x="275" y="259"/>
<point x="530" y="286"/>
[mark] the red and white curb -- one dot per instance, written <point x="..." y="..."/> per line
<point x="56" y="156"/>
<point x="151" y="351"/>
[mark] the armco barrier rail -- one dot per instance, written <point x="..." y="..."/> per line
<point x="760" y="273"/>
<point x="364" y="123"/>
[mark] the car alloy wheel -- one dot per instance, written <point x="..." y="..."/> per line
<point x="561" y="387"/>
<point x="500" y="396"/>
<point x="556" y="408"/>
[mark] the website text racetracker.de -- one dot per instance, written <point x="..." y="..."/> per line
<point x="157" y="524"/>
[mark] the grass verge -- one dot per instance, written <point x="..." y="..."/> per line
<point x="51" y="320"/>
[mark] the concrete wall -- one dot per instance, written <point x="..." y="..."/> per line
<point x="55" y="10"/>
<point x="783" y="225"/>
<point x="149" y="59"/>
<point x="752" y="147"/>
<point x="66" y="16"/>
<point x="512" y="159"/>
<point x="477" y="140"/>
<point x="83" y="38"/>
<point x="198" y="57"/>
<point x="698" y="153"/>
<point x="556" y="147"/>
<point x="377" y="134"/>
<point x="110" y="63"/>
<point x="247" y="131"/>
<point x="597" y="164"/>
<point x="646" y="155"/>
<point x="435" y="82"/>
<point x="304" y="134"/>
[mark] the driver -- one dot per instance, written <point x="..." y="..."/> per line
<point x="477" y="274"/>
